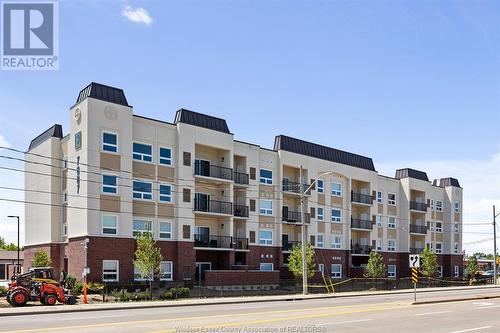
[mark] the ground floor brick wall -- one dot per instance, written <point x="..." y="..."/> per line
<point x="264" y="254"/>
<point x="233" y="277"/>
<point x="54" y="250"/>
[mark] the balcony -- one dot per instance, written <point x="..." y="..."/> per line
<point x="361" y="198"/>
<point x="418" y="229"/>
<point x="201" y="168"/>
<point x="361" y="224"/>
<point x="240" y="211"/>
<point x="361" y="249"/>
<point x="420" y="206"/>
<point x="241" y="178"/>
<point x="416" y="250"/>
<point x="211" y="241"/>
<point x="288" y="245"/>
<point x="241" y="243"/>
<point x="294" y="187"/>
<point x="294" y="217"/>
<point x="213" y="206"/>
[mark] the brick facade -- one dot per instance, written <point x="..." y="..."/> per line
<point x="251" y="277"/>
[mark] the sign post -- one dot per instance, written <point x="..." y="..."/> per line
<point x="414" y="264"/>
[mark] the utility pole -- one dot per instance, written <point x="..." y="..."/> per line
<point x="494" y="247"/>
<point x="18" y="270"/>
<point x="303" y="226"/>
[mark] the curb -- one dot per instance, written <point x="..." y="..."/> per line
<point x="455" y="300"/>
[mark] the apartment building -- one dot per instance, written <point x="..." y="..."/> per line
<point x="216" y="204"/>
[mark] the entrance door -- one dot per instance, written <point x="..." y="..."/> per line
<point x="284" y="242"/>
<point x="202" y="236"/>
<point x="201" y="267"/>
<point x="202" y="202"/>
<point x="202" y="167"/>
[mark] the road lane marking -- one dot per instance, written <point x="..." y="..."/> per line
<point x="487" y="307"/>
<point x="344" y="322"/>
<point x="432" y="313"/>
<point x="482" y="303"/>
<point x="472" y="329"/>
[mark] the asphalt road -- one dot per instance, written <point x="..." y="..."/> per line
<point x="388" y="313"/>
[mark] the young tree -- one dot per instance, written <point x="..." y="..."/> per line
<point x="471" y="268"/>
<point x="429" y="263"/>
<point x="375" y="267"/>
<point x="148" y="258"/>
<point x="41" y="259"/>
<point x="295" y="261"/>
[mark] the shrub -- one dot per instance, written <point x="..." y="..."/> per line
<point x="3" y="291"/>
<point x="77" y="288"/>
<point x="94" y="287"/>
<point x="126" y="296"/>
<point x="70" y="281"/>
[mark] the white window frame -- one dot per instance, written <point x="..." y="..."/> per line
<point x="440" y="271"/>
<point x="142" y="155"/>
<point x="321" y="243"/>
<point x="379" y="220"/>
<point x="379" y="244"/>
<point x="164" y="232"/>
<point x="379" y="196"/>
<point x="455" y="248"/>
<point x="440" y="228"/>
<point x="171" y="278"/>
<point x="440" y="249"/>
<point x="117" y="272"/>
<point x="456" y="206"/>
<point x="456" y="271"/>
<point x="321" y="268"/>
<point x="456" y="226"/>
<point x="391" y="225"/>
<point x="265" y="180"/>
<point x="391" y="202"/>
<point x="393" y="247"/>
<point x="391" y="271"/>
<point x="269" y="264"/>
<point x="109" y="144"/>
<point x="320" y="217"/>
<point x="135" y="231"/>
<point x="266" y="241"/>
<point x="336" y="219"/>
<point x="336" y="193"/>
<point x="336" y="274"/>
<point x="433" y="207"/>
<point x="321" y="189"/>
<point x="104" y="227"/>
<point x="115" y="187"/>
<point x="164" y="160"/>
<point x="335" y="244"/>
<point x="139" y="278"/>
<point x="142" y="193"/>
<point x="169" y="197"/>
<point x="439" y="208"/>
<point x="265" y="211"/>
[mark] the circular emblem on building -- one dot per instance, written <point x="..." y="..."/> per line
<point x="78" y="115"/>
<point x="110" y="112"/>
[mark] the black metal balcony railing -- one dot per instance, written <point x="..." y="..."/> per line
<point x="416" y="250"/>
<point x="288" y="245"/>
<point x="418" y="229"/>
<point x="361" y="249"/>
<point x="241" y="178"/>
<point x="361" y="198"/>
<point x="219" y="242"/>
<point x="214" y="171"/>
<point x="421" y="206"/>
<point x="294" y="187"/>
<point x="294" y="217"/>
<point x="241" y="243"/>
<point x="213" y="206"/>
<point x="240" y="211"/>
<point x="361" y="224"/>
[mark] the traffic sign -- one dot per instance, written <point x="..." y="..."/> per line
<point x="414" y="260"/>
<point x="414" y="275"/>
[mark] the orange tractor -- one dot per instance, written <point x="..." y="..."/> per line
<point x="38" y="284"/>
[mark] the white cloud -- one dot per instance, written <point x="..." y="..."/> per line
<point x="480" y="180"/>
<point x="137" y="15"/>
<point x="3" y="142"/>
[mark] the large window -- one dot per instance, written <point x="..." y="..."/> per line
<point x="266" y="237"/>
<point x="140" y="226"/>
<point x="320" y="185"/>
<point x="165" y="193"/>
<point x="337" y="189"/>
<point x="166" y="271"/>
<point x="439" y="206"/>
<point x="378" y="218"/>
<point x="391" y="199"/>
<point x="336" y="241"/>
<point x="109" y="184"/>
<point x="336" y="271"/>
<point x="109" y="224"/>
<point x="439" y="247"/>
<point x="266" y="207"/>
<point x="142" y="190"/>
<point x="379" y="197"/>
<point x="336" y="215"/>
<point x="137" y="274"/>
<point x="320" y="240"/>
<point x="142" y="152"/>
<point x="439" y="227"/>
<point x="110" y="270"/>
<point x="165" y="230"/>
<point x="391" y="271"/>
<point x="165" y="156"/>
<point x="321" y="214"/>
<point x="109" y="142"/>
<point x="266" y="266"/>
<point x="391" y="222"/>
<point x="391" y="245"/>
<point x="266" y="176"/>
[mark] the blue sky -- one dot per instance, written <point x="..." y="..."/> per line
<point x="409" y="83"/>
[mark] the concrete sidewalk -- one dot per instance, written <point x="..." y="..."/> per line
<point x="38" y="309"/>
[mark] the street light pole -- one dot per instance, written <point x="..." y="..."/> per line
<point x="18" y="249"/>
<point x="494" y="246"/>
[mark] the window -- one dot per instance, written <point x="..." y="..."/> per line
<point x="337" y="189"/>
<point x="391" y="199"/>
<point x="336" y="271"/>
<point x="266" y="176"/>
<point x="253" y="173"/>
<point x="165" y="156"/>
<point x="455" y="248"/>
<point x="336" y="241"/>
<point x="109" y="184"/>
<point x="65" y="198"/>
<point x="336" y="215"/>
<point x="456" y="227"/>
<point x="252" y="205"/>
<point x="186" y="195"/>
<point x="64" y="230"/>
<point x="165" y="230"/>
<point x="379" y="197"/>
<point x="432" y="205"/>
<point x="266" y="237"/>
<point x="456" y="271"/>
<point x="65" y="163"/>
<point x="321" y="214"/>
<point x="165" y="193"/>
<point x="266" y="266"/>
<point x="379" y="245"/>
<point x="439" y="247"/>
<point x="252" y="237"/>
<point x="378" y="218"/>
<point x="320" y="240"/>
<point x="440" y="271"/>
<point x="266" y="207"/>
<point x="321" y="268"/>
<point x="391" y="222"/>
<point x="186" y="231"/>
<point x="321" y="185"/>
<point x="456" y="206"/>
<point x="186" y="158"/>
<point x="109" y="142"/>
<point x="391" y="271"/>
<point x="166" y="271"/>
<point x="142" y="190"/>
<point x="78" y="141"/>
<point x="142" y="152"/>
<point x="137" y="275"/>
<point x="439" y="227"/>
<point x="391" y="245"/>
<point x="140" y="226"/>
<point x="110" y="270"/>
<point x="109" y="224"/>
<point x="439" y="206"/>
